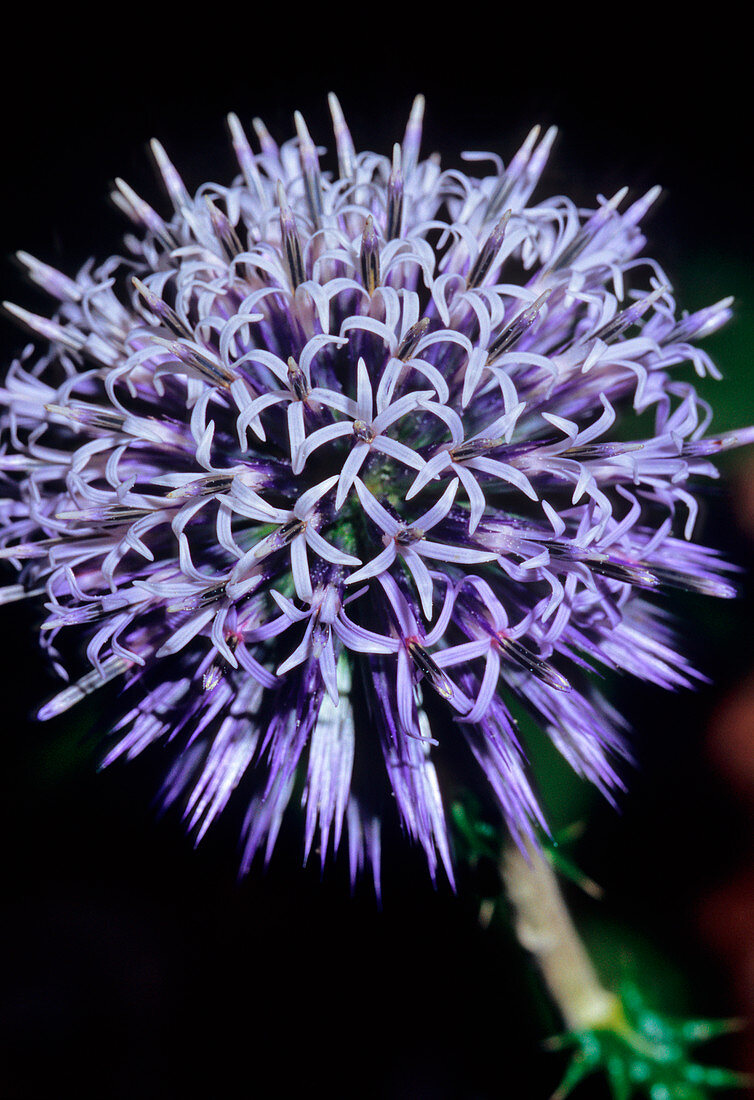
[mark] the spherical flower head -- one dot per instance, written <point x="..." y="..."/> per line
<point x="326" y="470"/>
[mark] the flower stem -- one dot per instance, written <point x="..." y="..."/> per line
<point x="544" y="927"/>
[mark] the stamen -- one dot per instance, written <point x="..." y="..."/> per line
<point x="427" y="667"/>
<point x="408" y="535"/>
<point x="588" y="231"/>
<point x="697" y="448"/>
<point x="90" y="416"/>
<point x="310" y="169"/>
<point x="511" y="175"/>
<point x="343" y="140"/>
<point x="50" y="279"/>
<point x="516" y="328"/>
<point x="21" y="463"/>
<point x="291" y="242"/>
<point x="627" y="317"/>
<point x="14" y="592"/>
<point x="487" y="254"/>
<point x="686" y="582"/>
<point x="413" y="135"/>
<point x="540" y="668"/>
<point x="202" y="487"/>
<point x="213" y="594"/>
<point x="174" y="185"/>
<point x="111" y="515"/>
<point x="626" y="572"/>
<point x="219" y="666"/>
<point x="195" y="600"/>
<point x="642" y="575"/>
<point x="287" y="532"/>
<point x="44" y="327"/>
<point x="161" y="310"/>
<point x="24" y="550"/>
<point x="410" y="341"/>
<point x="265" y="139"/>
<point x="604" y="565"/>
<point x="245" y="159"/>
<point x="214" y="674"/>
<point x="363" y="432"/>
<point x="370" y="257"/>
<point x="701" y="323"/>
<point x="212" y="370"/>
<point x="88" y="683"/>
<point x="394" y="218"/>
<point x="76" y="616"/>
<point x="142" y="213"/>
<point x="321" y="634"/>
<point x="284" y="536"/>
<point x="600" y="450"/>
<point x="474" y="448"/>
<point x="226" y="234"/>
<point x="297" y="380"/>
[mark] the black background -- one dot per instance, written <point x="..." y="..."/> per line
<point x="136" y="966"/>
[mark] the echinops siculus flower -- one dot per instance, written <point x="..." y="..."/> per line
<point x="327" y="471"/>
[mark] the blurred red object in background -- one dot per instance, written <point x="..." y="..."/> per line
<point x="726" y="916"/>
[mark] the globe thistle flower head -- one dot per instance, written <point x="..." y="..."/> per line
<point x="327" y="471"/>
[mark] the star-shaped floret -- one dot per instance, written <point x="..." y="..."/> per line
<point x="465" y="457"/>
<point x="297" y="528"/>
<point x="325" y="617"/>
<point x="410" y="542"/>
<point x="368" y="431"/>
<point x="494" y="639"/>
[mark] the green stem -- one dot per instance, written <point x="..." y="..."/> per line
<point x="544" y="927"/>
